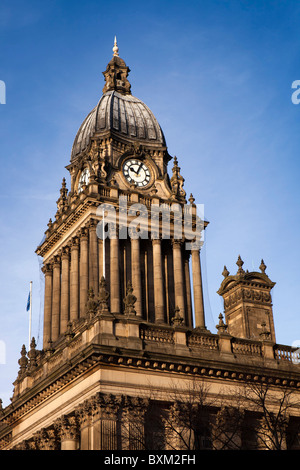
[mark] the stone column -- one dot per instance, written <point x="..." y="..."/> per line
<point x="105" y="409"/>
<point x="159" y="301"/>
<point x="93" y="257"/>
<point x="197" y="288"/>
<point x="133" y="423"/>
<point x="47" y="270"/>
<point x="178" y="277"/>
<point x="84" y="416"/>
<point x="84" y="271"/>
<point x="136" y="274"/>
<point x="65" y="292"/>
<point x="55" y="327"/>
<point x="114" y="275"/>
<point x="69" y="433"/>
<point x="188" y="290"/>
<point x="74" y="280"/>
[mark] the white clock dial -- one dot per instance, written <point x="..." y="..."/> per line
<point x="84" y="179"/>
<point x="136" y="172"/>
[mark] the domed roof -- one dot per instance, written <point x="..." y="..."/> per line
<point x="120" y="113"/>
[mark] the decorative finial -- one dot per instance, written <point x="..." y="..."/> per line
<point x="221" y="327"/>
<point x="91" y="304"/>
<point x="177" y="181"/>
<point x="129" y="300"/>
<point x="23" y="361"/>
<point x="103" y="296"/>
<point x="240" y="263"/>
<point x="115" y="48"/>
<point x="225" y="272"/>
<point x="262" y="267"/>
<point x="191" y="199"/>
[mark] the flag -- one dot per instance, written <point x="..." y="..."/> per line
<point x="28" y="303"/>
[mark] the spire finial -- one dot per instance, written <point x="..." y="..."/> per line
<point x="225" y="272"/>
<point x="262" y="266"/>
<point x="115" y="48"/>
<point x="240" y="263"/>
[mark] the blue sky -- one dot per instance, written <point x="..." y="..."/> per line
<point x="216" y="74"/>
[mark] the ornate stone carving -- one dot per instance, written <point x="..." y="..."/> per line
<point x="225" y="272"/>
<point x="240" y="263"/>
<point x="32" y="354"/>
<point x="68" y="427"/>
<point x="103" y="297"/>
<point x="178" y="319"/>
<point x="62" y="202"/>
<point x="177" y="181"/>
<point x="23" y="361"/>
<point x="91" y="304"/>
<point x="129" y="300"/>
<point x="221" y="327"/>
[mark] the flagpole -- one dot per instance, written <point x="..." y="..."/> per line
<point x="30" y="314"/>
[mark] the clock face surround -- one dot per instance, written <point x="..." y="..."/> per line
<point x="136" y="172"/>
<point x="83" y="179"/>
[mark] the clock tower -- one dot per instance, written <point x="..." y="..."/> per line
<point x="147" y="242"/>
<point x="127" y="362"/>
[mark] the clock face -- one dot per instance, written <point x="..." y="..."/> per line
<point x="136" y="172"/>
<point x="84" y="179"/>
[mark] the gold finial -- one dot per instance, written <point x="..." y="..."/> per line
<point x="115" y="48"/>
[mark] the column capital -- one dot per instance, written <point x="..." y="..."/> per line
<point x="92" y="224"/>
<point x="75" y="243"/>
<point x="65" y="252"/>
<point x="177" y="243"/>
<point x="68" y="427"/>
<point x="84" y="414"/>
<point x="105" y="405"/>
<point x="56" y="260"/>
<point x="47" y="269"/>
<point x="83" y="233"/>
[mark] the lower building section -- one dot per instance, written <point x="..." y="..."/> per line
<point x="110" y="422"/>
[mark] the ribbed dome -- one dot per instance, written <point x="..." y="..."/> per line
<point x="120" y="113"/>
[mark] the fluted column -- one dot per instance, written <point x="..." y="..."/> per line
<point x="84" y="416"/>
<point x="159" y="301"/>
<point x="100" y="259"/>
<point x="178" y="276"/>
<point x="133" y="423"/>
<point x="105" y="410"/>
<point x="55" y="327"/>
<point x="93" y="256"/>
<point x="136" y="274"/>
<point x="65" y="292"/>
<point x="74" y="280"/>
<point x="114" y="275"/>
<point x="84" y="271"/>
<point x="198" y="291"/>
<point x="47" y="305"/>
<point x="188" y="289"/>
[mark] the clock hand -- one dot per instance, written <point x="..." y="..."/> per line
<point x="131" y="169"/>
<point x="139" y="168"/>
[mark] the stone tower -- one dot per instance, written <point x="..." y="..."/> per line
<point x="248" y="303"/>
<point x="118" y="171"/>
<point x="125" y="345"/>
